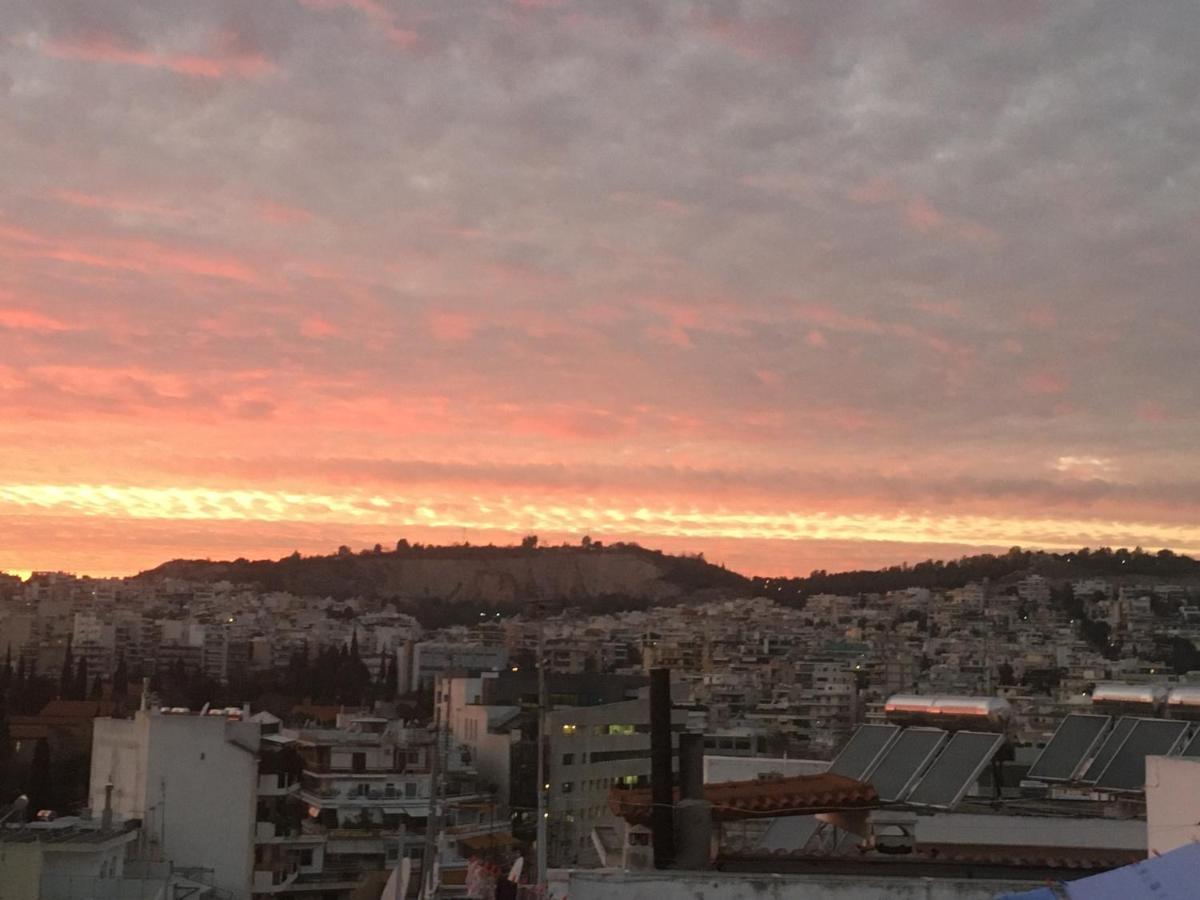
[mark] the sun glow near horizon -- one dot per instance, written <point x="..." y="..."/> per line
<point x="331" y="514"/>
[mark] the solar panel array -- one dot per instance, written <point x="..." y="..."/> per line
<point x="864" y="750"/>
<point x="1108" y="750"/>
<point x="1073" y="742"/>
<point x="956" y="769"/>
<point x="1192" y="750"/>
<point x="1113" y="759"/>
<point x="1126" y="771"/>
<point x="904" y="761"/>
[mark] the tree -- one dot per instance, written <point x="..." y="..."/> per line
<point x="4" y="744"/>
<point x="1184" y="657"/>
<point x="67" y="676"/>
<point x="80" y="688"/>
<point x="120" y="678"/>
<point x="40" y="780"/>
<point x="392" y="681"/>
<point x="529" y="542"/>
<point x="1005" y="674"/>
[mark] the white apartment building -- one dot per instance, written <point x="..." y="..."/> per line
<point x="192" y="782"/>
<point x="422" y="662"/>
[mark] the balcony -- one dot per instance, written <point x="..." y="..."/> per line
<point x="275" y="880"/>
<point x="276" y="785"/>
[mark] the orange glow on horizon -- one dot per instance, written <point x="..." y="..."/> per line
<point x="336" y="514"/>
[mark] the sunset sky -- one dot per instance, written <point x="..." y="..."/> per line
<point x="798" y="285"/>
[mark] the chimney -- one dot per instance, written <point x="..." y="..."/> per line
<point x="662" y="788"/>
<point x="693" y="813"/>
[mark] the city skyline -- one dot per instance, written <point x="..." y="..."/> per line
<point x="825" y="287"/>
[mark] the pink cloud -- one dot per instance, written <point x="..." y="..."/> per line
<point x="452" y="327"/>
<point x="30" y="320"/>
<point x="1040" y="317"/>
<point x="1151" y="411"/>
<point x="1045" y="383"/>
<point x="379" y="16"/>
<point x="230" y="61"/>
<point x="768" y="377"/>
<point x="922" y="215"/>
<point x="126" y="255"/>
<point x="873" y="191"/>
<point x="282" y="213"/>
<point x="316" y="327"/>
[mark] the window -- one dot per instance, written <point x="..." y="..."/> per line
<point x="568" y="759"/>
<point x="306" y="857"/>
<point x="568" y="729"/>
<point x="359" y="762"/>
<point x="410" y="789"/>
<point x="568" y="787"/>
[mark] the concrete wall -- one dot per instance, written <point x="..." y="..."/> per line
<point x="193" y="787"/>
<point x="746" y="768"/>
<point x="20" y="871"/>
<point x="1172" y="802"/>
<point x="692" y="885"/>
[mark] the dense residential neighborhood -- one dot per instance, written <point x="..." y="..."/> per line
<point x="341" y="735"/>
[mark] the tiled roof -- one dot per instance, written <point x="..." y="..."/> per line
<point x="77" y="709"/>
<point x="1030" y="856"/>
<point x="761" y="798"/>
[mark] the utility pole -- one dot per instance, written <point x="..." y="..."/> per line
<point x="433" y="820"/>
<point x="542" y="811"/>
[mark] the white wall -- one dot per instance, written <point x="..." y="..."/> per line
<point x="1172" y="802"/>
<point x="746" y="768"/>
<point x="194" y="789"/>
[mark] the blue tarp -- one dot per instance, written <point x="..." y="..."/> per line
<point x="1172" y="876"/>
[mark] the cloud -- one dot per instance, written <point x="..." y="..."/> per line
<point x="682" y="250"/>
<point x="228" y="61"/>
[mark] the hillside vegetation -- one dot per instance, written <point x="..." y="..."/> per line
<point x="493" y="577"/>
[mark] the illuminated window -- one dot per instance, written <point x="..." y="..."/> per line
<point x="622" y="729"/>
<point x="568" y="729"/>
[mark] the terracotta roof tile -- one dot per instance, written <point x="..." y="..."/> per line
<point x="1030" y="856"/>
<point x="760" y="798"/>
<point x="77" y="709"/>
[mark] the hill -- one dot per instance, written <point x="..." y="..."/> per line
<point x="1122" y="565"/>
<point x="492" y="577"/>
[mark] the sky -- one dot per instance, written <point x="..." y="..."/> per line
<point x="795" y="285"/>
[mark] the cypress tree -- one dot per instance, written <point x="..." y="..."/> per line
<point x="80" y="690"/>
<point x="66" y="678"/>
<point x="120" y="679"/>
<point x="40" y="779"/>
